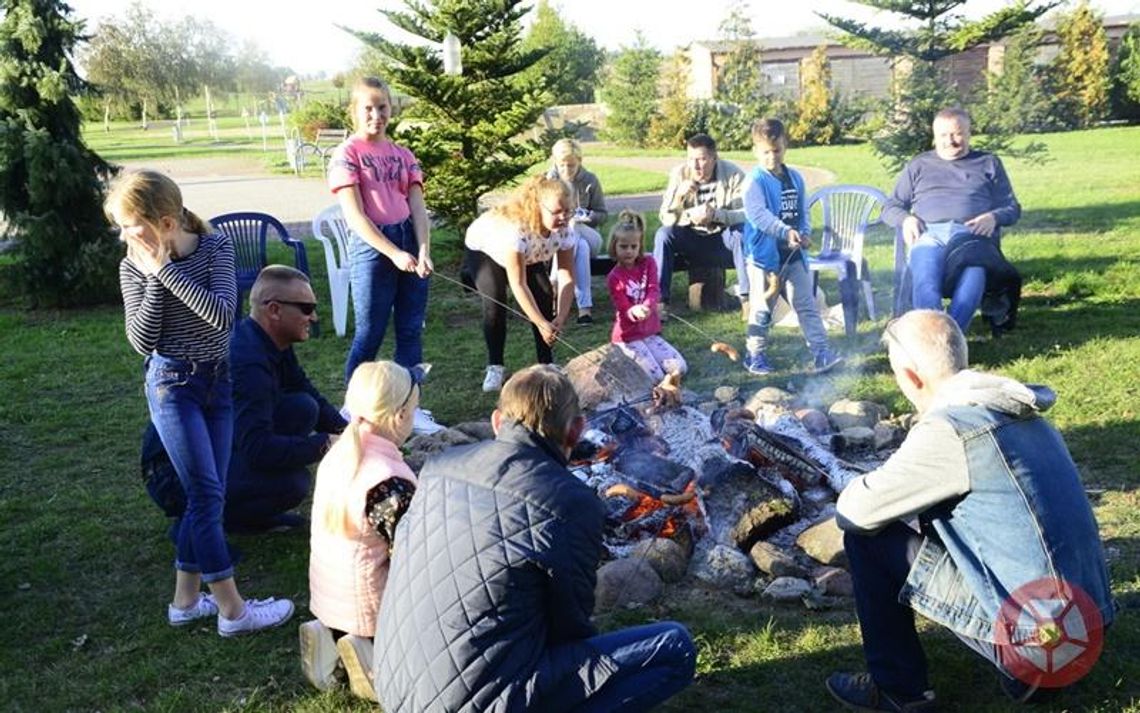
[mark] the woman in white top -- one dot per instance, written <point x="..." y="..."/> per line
<point x="512" y="245"/>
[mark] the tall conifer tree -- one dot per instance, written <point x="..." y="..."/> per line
<point x="51" y="184"/>
<point x="470" y="131"/>
<point x="936" y="31"/>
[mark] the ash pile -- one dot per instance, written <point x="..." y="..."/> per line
<point x="738" y="495"/>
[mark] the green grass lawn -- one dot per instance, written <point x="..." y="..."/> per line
<point x="86" y="568"/>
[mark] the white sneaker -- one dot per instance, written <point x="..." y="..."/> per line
<point x="204" y="607"/>
<point x="356" y="655"/>
<point x="424" y="424"/>
<point x="259" y="614"/>
<point x="493" y="381"/>
<point x="318" y="654"/>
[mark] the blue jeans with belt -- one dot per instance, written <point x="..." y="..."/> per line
<point x="381" y="290"/>
<point x="191" y="407"/>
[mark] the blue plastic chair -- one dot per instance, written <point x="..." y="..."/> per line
<point x="249" y="233"/>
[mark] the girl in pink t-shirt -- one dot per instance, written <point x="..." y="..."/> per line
<point x="634" y="292"/>
<point x="379" y="187"/>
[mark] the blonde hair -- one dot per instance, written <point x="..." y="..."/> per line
<point x="361" y="85"/>
<point x="543" y="400"/>
<point x="150" y="196"/>
<point x="524" y="206"/>
<point x="564" y="147"/>
<point x="376" y="393"/>
<point x="629" y="223"/>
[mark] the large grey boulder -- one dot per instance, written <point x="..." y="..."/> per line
<point x="823" y="542"/>
<point x="626" y="582"/>
<point x="848" y="414"/>
<point x="606" y="375"/>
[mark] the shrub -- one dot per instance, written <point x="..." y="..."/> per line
<point x="316" y="114"/>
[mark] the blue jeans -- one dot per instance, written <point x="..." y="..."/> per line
<point x="380" y="290"/>
<point x="192" y="409"/>
<point x="655" y="662"/>
<point x="723" y="249"/>
<point x="927" y="266"/>
<point x="879" y="567"/>
<point x="255" y="497"/>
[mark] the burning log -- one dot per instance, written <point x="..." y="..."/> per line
<point x="750" y="442"/>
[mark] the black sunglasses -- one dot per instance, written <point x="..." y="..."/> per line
<point x="418" y="373"/>
<point x="306" y="308"/>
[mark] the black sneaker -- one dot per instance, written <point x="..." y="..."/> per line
<point x="586" y="318"/>
<point x="858" y="692"/>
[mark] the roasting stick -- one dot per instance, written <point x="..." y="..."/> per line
<point x="717" y="346"/>
<point x="578" y="352"/>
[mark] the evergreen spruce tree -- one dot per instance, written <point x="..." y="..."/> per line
<point x="678" y="117"/>
<point x="921" y="88"/>
<point x="1126" y="76"/>
<point x="469" y="131"/>
<point x="739" y="98"/>
<point x="1014" y="99"/>
<point x="51" y="184"/>
<point x="630" y="93"/>
<point x="1081" y="68"/>
<point x="571" y="69"/>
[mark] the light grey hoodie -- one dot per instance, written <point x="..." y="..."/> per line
<point x="930" y="466"/>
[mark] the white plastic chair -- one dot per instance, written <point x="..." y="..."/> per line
<point x="847" y="211"/>
<point x="331" y="229"/>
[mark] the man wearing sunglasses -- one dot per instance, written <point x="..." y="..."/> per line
<point x="282" y="424"/>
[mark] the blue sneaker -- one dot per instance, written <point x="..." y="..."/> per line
<point x="858" y="692"/>
<point x="825" y="360"/>
<point x="758" y="364"/>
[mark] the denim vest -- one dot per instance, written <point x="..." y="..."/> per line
<point x="1025" y="517"/>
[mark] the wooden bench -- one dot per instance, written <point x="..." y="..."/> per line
<point x="321" y="147"/>
<point x="706" y="284"/>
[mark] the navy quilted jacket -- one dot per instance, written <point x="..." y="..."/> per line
<point x="491" y="586"/>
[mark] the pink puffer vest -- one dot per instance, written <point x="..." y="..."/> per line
<point x="348" y="564"/>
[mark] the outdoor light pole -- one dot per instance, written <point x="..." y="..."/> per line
<point x="452" y="55"/>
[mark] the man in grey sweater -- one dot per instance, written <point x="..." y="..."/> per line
<point x="940" y="195"/>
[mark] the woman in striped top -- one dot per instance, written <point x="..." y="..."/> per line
<point x="180" y="295"/>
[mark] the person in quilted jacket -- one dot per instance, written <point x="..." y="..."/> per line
<point x="491" y="587"/>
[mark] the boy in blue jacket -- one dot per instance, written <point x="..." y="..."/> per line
<point x="776" y="236"/>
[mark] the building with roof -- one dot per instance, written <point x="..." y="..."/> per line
<point x="859" y="73"/>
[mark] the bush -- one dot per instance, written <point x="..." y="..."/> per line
<point x="316" y="114"/>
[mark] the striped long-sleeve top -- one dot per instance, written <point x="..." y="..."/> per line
<point x="185" y="310"/>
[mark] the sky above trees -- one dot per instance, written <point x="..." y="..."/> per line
<point x="309" y="41"/>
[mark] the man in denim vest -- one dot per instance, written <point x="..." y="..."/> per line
<point x="976" y="519"/>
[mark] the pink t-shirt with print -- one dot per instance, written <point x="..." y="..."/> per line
<point x="382" y="170"/>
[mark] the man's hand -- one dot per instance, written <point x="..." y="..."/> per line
<point x="913" y="228"/>
<point x="984" y="224"/>
<point x="701" y="214"/>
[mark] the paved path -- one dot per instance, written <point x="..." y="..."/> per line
<point x="211" y="186"/>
